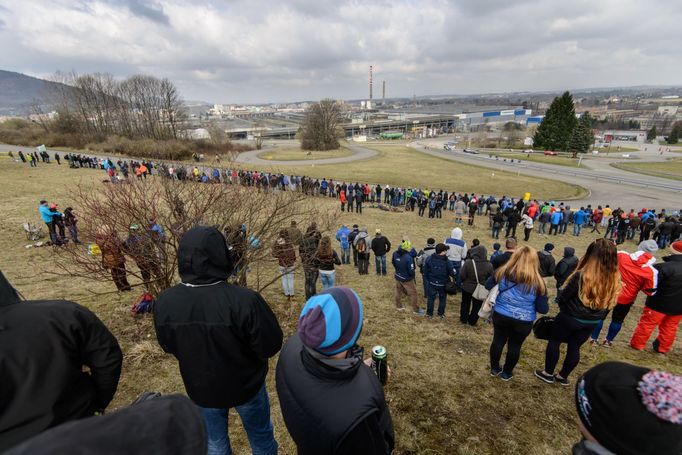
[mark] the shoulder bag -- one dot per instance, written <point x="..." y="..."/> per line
<point x="480" y="293"/>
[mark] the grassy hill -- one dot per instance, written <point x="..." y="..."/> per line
<point x="18" y="91"/>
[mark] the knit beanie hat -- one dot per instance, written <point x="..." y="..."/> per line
<point x="676" y="247"/>
<point x="549" y="246"/>
<point x="406" y="245"/>
<point x="648" y="246"/>
<point x="331" y="321"/>
<point x="631" y="410"/>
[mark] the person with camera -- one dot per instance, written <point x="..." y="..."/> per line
<point x="332" y="402"/>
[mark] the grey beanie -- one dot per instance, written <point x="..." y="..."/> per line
<point x="648" y="246"/>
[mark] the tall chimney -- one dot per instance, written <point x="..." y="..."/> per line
<point x="383" y="91"/>
<point x="370" y="82"/>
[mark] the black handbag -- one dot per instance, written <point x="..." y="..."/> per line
<point x="542" y="327"/>
<point x="451" y="287"/>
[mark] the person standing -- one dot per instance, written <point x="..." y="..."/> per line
<point x="351" y="241"/>
<point x="564" y="269"/>
<point x="460" y="208"/>
<point x="437" y="270"/>
<point x="527" y="226"/>
<point x="222" y="336"/>
<point x="331" y="401"/>
<point x="70" y="220"/>
<point x="663" y="309"/>
<point x="358" y="201"/>
<point x="326" y="259"/>
<point x="423" y="255"/>
<point x="475" y="271"/>
<point x="554" y="222"/>
<point x="405" y="277"/>
<point x="579" y="219"/>
<point x="547" y="262"/>
<point x="637" y="274"/>
<point x="521" y="295"/>
<point x="380" y="246"/>
<point x="48" y="218"/>
<point x="342" y="199"/>
<point x="502" y="258"/>
<point x="112" y="257"/>
<point x="283" y="250"/>
<point x="44" y="347"/>
<point x="457" y="251"/>
<point x="295" y="234"/>
<point x="590" y="293"/>
<point x="362" y="246"/>
<point x="342" y="236"/>
<point x="308" y="252"/>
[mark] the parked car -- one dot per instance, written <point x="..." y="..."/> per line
<point x="551" y="153"/>
<point x="473" y="152"/>
<point x="528" y="151"/>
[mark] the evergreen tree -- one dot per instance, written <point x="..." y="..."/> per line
<point x="581" y="137"/>
<point x="557" y="127"/>
<point x="651" y="134"/>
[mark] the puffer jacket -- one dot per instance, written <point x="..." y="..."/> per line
<point x="517" y="301"/>
<point x="570" y="303"/>
<point x="566" y="266"/>
<point x="457" y="248"/>
<point x="437" y="269"/>
<point x="668" y="296"/>
<point x="403" y="262"/>
<point x="637" y="274"/>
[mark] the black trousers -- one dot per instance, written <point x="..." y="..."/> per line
<point x="511" y="227"/>
<point x="355" y="256"/>
<point x="468" y="310"/>
<point x="566" y="329"/>
<point x="510" y="332"/>
<point x="526" y="233"/>
<point x="310" y="282"/>
<point x="363" y="263"/>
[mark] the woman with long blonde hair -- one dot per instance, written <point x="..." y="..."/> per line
<point x="521" y="295"/>
<point x="590" y="293"/>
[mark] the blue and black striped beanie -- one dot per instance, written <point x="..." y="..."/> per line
<point x="331" y="321"/>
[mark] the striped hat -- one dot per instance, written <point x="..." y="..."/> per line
<point x="331" y="321"/>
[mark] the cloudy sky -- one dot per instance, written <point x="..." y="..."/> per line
<point x="237" y="51"/>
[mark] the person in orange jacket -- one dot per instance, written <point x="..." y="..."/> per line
<point x="342" y="197"/>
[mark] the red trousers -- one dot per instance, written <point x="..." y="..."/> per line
<point x="667" y="329"/>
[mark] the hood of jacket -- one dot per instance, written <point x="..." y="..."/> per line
<point x="569" y="252"/>
<point x="478" y="253"/>
<point x="8" y="295"/>
<point x="203" y="257"/>
<point x="456" y="233"/>
<point x="642" y="258"/>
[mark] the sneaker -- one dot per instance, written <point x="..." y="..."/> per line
<point x="548" y="378"/>
<point x="495" y="371"/>
<point x="429" y="316"/>
<point x="563" y="381"/>
<point x="419" y="312"/>
<point x="656" y="345"/>
<point x="594" y="342"/>
<point x="401" y="308"/>
<point x="607" y="344"/>
<point x="441" y="316"/>
<point x="506" y="376"/>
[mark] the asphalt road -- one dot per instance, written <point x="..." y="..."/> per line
<point x="360" y="153"/>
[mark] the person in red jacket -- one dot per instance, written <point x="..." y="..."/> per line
<point x="663" y="309"/>
<point x="637" y="274"/>
<point x="342" y="197"/>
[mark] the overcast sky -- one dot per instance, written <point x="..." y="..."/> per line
<point x="237" y="51"/>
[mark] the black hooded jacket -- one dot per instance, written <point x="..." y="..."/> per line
<point x="221" y="334"/>
<point x="44" y="345"/>
<point x="171" y="425"/>
<point x="566" y="266"/>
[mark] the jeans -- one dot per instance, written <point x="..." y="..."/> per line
<point x="496" y="232"/>
<point x="566" y="329"/>
<point x="576" y="231"/>
<point x="327" y="279"/>
<point x="618" y="316"/>
<point x="543" y="228"/>
<point x="457" y="265"/>
<point x="511" y="332"/>
<point x="380" y="262"/>
<point x="310" y="282"/>
<point x="562" y="228"/>
<point x="554" y="228"/>
<point x="663" y="240"/>
<point x="255" y="415"/>
<point x="442" y="296"/>
<point x="287" y="280"/>
<point x="345" y="255"/>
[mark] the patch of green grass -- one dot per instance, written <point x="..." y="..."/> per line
<point x="671" y="169"/>
<point x="441" y="396"/>
<point x="400" y="165"/>
<point x="294" y="154"/>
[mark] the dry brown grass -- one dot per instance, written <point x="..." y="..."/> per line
<point x="441" y="396"/>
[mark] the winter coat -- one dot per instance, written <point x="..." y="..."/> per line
<point x="221" y="334"/>
<point x="547" y="263"/>
<point x="351" y="237"/>
<point x="478" y="256"/>
<point x="517" y="301"/>
<point x="44" y="345"/>
<point x="112" y="254"/>
<point x="342" y="237"/>
<point x="460" y="208"/>
<point x="284" y="252"/>
<point x="437" y="269"/>
<point x="328" y="263"/>
<point x="308" y="251"/>
<point x="556" y="217"/>
<point x="424" y="255"/>
<point x="527" y="221"/>
<point x="404" y="265"/>
<point x="362" y="237"/>
<point x="566" y="266"/>
<point x="332" y="406"/>
<point x="457" y="248"/>
<point x="380" y="245"/>
<point x="668" y="296"/>
<point x="580" y="217"/>
<point x="637" y="274"/>
<point x="570" y="303"/>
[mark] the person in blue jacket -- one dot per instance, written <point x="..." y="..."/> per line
<point x="436" y="271"/>
<point x="521" y="295"/>
<point x="555" y="220"/>
<point x="403" y="262"/>
<point x="47" y="216"/>
<point x="342" y="237"/>
<point x="579" y="219"/>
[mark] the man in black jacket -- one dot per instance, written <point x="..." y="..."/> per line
<point x="44" y="345"/>
<point x="501" y="259"/>
<point x="547" y="263"/>
<point x="663" y="309"/>
<point x="564" y="268"/>
<point x="222" y="336"/>
<point x="380" y="246"/>
<point x="351" y="240"/>
<point x="332" y="402"/>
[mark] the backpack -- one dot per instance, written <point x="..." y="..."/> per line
<point x="362" y="245"/>
<point x="420" y="258"/>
